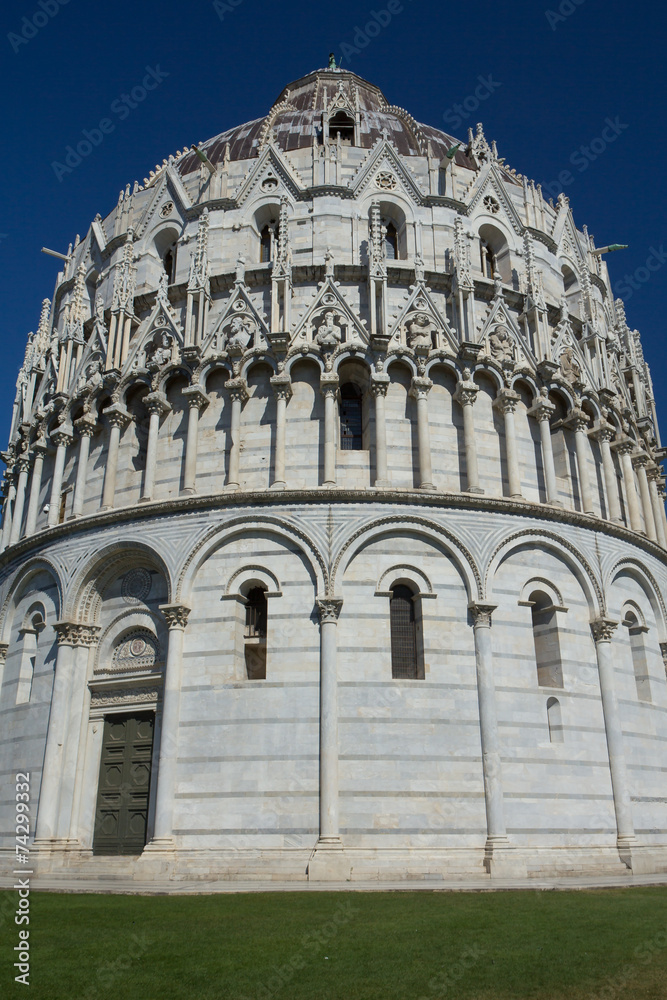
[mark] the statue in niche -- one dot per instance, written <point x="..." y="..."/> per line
<point x="500" y="344"/>
<point x="419" y="331"/>
<point x="159" y="351"/>
<point x="570" y="366"/>
<point x="328" y="334"/>
<point x="240" y="332"/>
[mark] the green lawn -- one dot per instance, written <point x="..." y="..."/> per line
<point x="343" y="946"/>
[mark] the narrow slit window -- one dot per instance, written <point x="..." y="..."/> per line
<point x="555" y="720"/>
<point x="350" y="418"/>
<point x="391" y="242"/>
<point x="265" y="247"/>
<point x="636" y="632"/>
<point x="546" y="641"/>
<point x="255" y="634"/>
<point x="405" y="659"/>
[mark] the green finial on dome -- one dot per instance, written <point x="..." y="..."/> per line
<point x="332" y="61"/>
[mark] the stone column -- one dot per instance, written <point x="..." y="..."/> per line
<point x="81" y="638"/>
<point x="639" y="462"/>
<point x="660" y="487"/>
<point x="656" y="503"/>
<point x="157" y="405"/>
<point x="282" y="389"/>
<point x="466" y="395"/>
<point x="39" y="450"/>
<point x="542" y="410"/>
<point x="61" y="439"/>
<point x="496" y="841"/>
<point x="329" y="610"/>
<point x="379" y="387"/>
<point x="176" y="616"/>
<point x="603" y="630"/>
<point x="505" y="402"/>
<point x="578" y="421"/>
<point x="118" y="418"/>
<point x="238" y="390"/>
<point x="420" y="389"/>
<point x="8" y="511"/>
<point x="197" y="401"/>
<point x="329" y="389"/>
<point x="52" y="772"/>
<point x="604" y="434"/>
<point x="86" y="428"/>
<point x="625" y="448"/>
<point x="22" y="465"/>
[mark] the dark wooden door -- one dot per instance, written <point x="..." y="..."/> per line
<point x="125" y="777"/>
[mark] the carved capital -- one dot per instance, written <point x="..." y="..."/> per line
<point x="603" y="431"/>
<point x="76" y="634"/>
<point x="379" y="385"/>
<point x="282" y="386"/>
<point x="117" y="415"/>
<point x="577" y="420"/>
<point x="466" y="393"/>
<point x="237" y="389"/>
<point x="196" y="397"/>
<point x="420" y="387"/>
<point x="85" y="426"/>
<point x="61" y="437"/>
<point x="640" y="460"/>
<point x="663" y="650"/>
<point x="506" y="401"/>
<point x="329" y="608"/>
<point x="603" y="629"/>
<point x="625" y="446"/>
<point x="542" y="409"/>
<point x="328" y="383"/>
<point x="4" y="646"/>
<point x="481" y="614"/>
<point x="156" y="402"/>
<point x="175" y="615"/>
<point x="23" y="464"/>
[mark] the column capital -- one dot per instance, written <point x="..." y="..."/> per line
<point x="577" y="420"/>
<point x="237" y="389"/>
<point x="603" y="629"/>
<point x="76" y="633"/>
<point x="602" y="431"/>
<point x="640" y="460"/>
<point x="420" y="386"/>
<point x="175" y="615"/>
<point x="117" y="415"/>
<point x="542" y="409"/>
<point x="196" y="397"/>
<point x="156" y="402"/>
<point x="39" y="447"/>
<point x="329" y="383"/>
<point x="329" y="608"/>
<point x="282" y="386"/>
<point x="481" y="614"/>
<point x="62" y="436"/>
<point x="4" y="646"/>
<point x="23" y="463"/>
<point x="654" y="473"/>
<point x="506" y="400"/>
<point x="379" y="384"/>
<point x="624" y="446"/>
<point x="85" y="425"/>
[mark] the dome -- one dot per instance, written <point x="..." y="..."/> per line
<point x="334" y="543"/>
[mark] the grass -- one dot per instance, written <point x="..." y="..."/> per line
<point x="344" y="946"/>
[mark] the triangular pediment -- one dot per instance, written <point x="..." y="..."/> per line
<point x="489" y="197"/>
<point x="566" y="237"/>
<point x="342" y="326"/>
<point x="169" y="188"/>
<point x="563" y="340"/>
<point x="240" y="325"/>
<point x="271" y="174"/>
<point x="419" y="322"/>
<point x="157" y="337"/>
<point x="384" y="171"/>
<point x="501" y="339"/>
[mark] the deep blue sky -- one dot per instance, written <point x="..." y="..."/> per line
<point x="559" y="82"/>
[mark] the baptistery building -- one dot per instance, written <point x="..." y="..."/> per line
<point x="334" y="539"/>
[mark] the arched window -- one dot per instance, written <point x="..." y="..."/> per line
<point x="256" y="623"/>
<point x="495" y="254"/>
<point x="555" y="720"/>
<point x="391" y="241"/>
<point x="342" y="124"/>
<point x="34" y="625"/>
<point x="545" y="638"/>
<point x="350" y="417"/>
<point x="406" y="652"/>
<point x="265" y="245"/>
<point x="169" y="263"/>
<point x="636" y="632"/>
